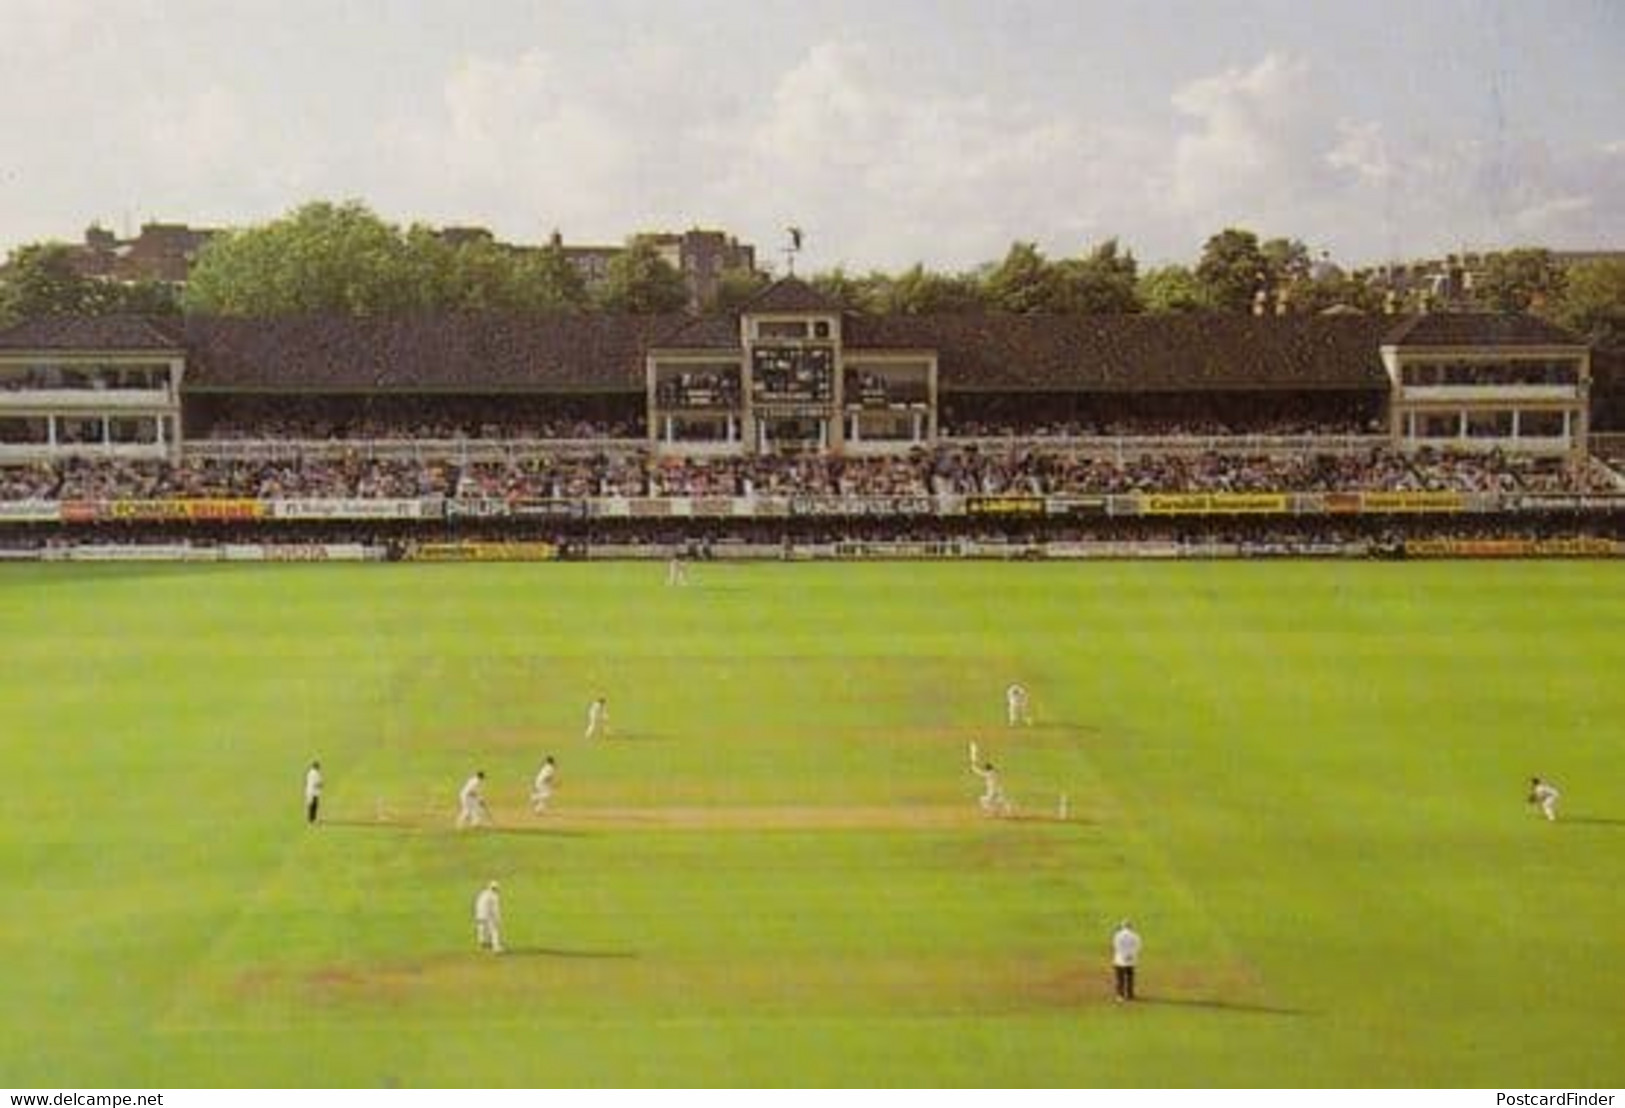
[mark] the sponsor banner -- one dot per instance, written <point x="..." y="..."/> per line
<point x="1078" y="551"/>
<point x="1212" y="503"/>
<point x="1567" y="502"/>
<point x="612" y="507"/>
<point x="1006" y="551"/>
<point x="357" y="507"/>
<point x="1004" y="505"/>
<point x="1341" y="502"/>
<point x="476" y="508"/>
<point x="649" y="507"/>
<point x="138" y="552"/>
<point x="1513" y="548"/>
<point x="712" y="507"/>
<point x="863" y="506"/>
<point x="1075" y="506"/>
<point x="903" y="550"/>
<point x="30" y="511"/>
<point x="1411" y="501"/>
<point x="749" y="552"/>
<point x="483" y="552"/>
<point x="1242" y="503"/>
<point x="294" y="552"/>
<point x="614" y="552"/>
<point x="1296" y="549"/>
<point x="766" y="507"/>
<point x="549" y="509"/>
<point x="1173" y="503"/>
<point x="20" y="555"/>
<point x="81" y="511"/>
<point x="182" y="509"/>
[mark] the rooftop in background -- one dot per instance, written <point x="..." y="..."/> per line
<point x="161" y="252"/>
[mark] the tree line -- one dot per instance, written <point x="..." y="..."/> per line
<point x="343" y="258"/>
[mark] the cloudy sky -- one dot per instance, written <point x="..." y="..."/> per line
<point x="893" y="131"/>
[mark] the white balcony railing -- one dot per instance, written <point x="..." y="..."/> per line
<point x="86" y="401"/>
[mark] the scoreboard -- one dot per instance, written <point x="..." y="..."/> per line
<point x="792" y="374"/>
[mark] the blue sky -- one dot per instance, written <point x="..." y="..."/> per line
<point x="893" y="132"/>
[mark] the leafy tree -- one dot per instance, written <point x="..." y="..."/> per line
<point x="641" y="282"/>
<point x="1287" y="262"/>
<point x="554" y="281"/>
<point x="323" y="257"/>
<point x="39" y="279"/>
<point x="1102" y="282"/>
<point x="1518" y="280"/>
<point x="919" y="291"/>
<point x="1334" y="290"/>
<point x="735" y="287"/>
<point x="1024" y="282"/>
<point x="1173" y="288"/>
<point x="142" y="298"/>
<point x="856" y="294"/>
<point x="1233" y="270"/>
<point x="1592" y="302"/>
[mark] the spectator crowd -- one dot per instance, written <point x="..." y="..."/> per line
<point x="949" y="469"/>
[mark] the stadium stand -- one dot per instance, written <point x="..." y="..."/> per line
<point x="793" y="422"/>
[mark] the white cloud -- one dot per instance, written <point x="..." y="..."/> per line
<point x="1269" y="148"/>
<point x="134" y="110"/>
<point x="897" y="170"/>
<point x="878" y="167"/>
<point x="883" y="166"/>
<point x="1362" y="149"/>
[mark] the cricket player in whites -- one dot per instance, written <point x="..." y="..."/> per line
<point x="598" y="719"/>
<point x="1543" y="793"/>
<point x="542" y="790"/>
<point x="1017" y="709"/>
<point x="488" y="919"/>
<point x="471" y="809"/>
<point x="993" y="801"/>
<point x="313" y="792"/>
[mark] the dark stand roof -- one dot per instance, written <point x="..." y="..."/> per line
<point x="1138" y="352"/>
<point x="604" y="353"/>
<point x="1479" y="329"/>
<point x="105" y="333"/>
<point x="790" y="294"/>
<point x="423" y="353"/>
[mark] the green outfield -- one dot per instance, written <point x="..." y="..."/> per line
<point x="1304" y="782"/>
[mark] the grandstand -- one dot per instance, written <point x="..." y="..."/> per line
<point x="791" y="423"/>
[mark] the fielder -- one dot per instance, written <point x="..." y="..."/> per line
<point x="598" y="719"/>
<point x="676" y="572"/>
<point x="313" y="791"/>
<point x="993" y="801"/>
<point x="471" y="809"/>
<point x="1125" y="956"/>
<point x="1016" y="707"/>
<point x="542" y="790"/>
<point x="1543" y="793"/>
<point x="488" y="919"/>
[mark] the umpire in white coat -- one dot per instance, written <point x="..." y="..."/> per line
<point x="488" y="918"/>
